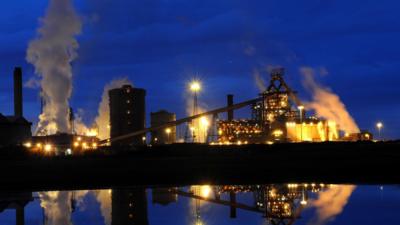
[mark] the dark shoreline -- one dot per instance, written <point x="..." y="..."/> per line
<point x="184" y="164"/>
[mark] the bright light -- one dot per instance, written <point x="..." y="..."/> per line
<point x="28" y="144"/>
<point x="277" y="133"/>
<point x="195" y="86"/>
<point x="79" y="138"/>
<point x="48" y="147"/>
<point x="143" y="138"/>
<point x="84" y="145"/>
<point x="94" y="145"/>
<point x="76" y="144"/>
<point x="68" y="152"/>
<point x="379" y="125"/>
<point x="168" y="130"/>
<point x="92" y="133"/>
<point x="205" y="191"/>
<point x="38" y="145"/>
<point x="300" y="107"/>
<point x="204" y="122"/>
<point x="303" y="202"/>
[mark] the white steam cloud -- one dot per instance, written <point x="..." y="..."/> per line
<point x="331" y="203"/>
<point x="260" y="82"/>
<point x="327" y="104"/>
<point x="57" y="207"/>
<point x="103" y="118"/>
<point x="52" y="52"/>
<point x="105" y="201"/>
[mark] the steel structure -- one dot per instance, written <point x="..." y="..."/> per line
<point x="184" y="120"/>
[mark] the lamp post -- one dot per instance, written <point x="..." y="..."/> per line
<point x="168" y="132"/>
<point x="144" y="140"/>
<point x="195" y="87"/>
<point x="379" y="126"/>
<point x="301" y="108"/>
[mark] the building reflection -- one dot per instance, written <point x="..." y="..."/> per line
<point x="280" y="204"/>
<point x="129" y="207"/>
<point x="16" y="201"/>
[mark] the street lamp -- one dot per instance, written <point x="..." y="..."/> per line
<point x="301" y="108"/>
<point x="195" y="87"/>
<point x="144" y="140"/>
<point x="379" y="126"/>
<point x="168" y="132"/>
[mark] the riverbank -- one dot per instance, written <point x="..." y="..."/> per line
<point x="181" y="164"/>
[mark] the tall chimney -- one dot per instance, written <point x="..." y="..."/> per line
<point x="230" y="103"/>
<point x="18" y="111"/>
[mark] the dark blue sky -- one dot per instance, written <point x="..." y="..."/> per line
<point x="161" y="44"/>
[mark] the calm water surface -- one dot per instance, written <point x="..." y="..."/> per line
<point x="205" y="204"/>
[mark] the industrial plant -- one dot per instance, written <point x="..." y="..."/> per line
<point x="15" y="129"/>
<point x="277" y="115"/>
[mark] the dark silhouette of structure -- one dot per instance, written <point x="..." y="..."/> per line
<point x="127" y="113"/>
<point x="17" y="201"/>
<point x="230" y="104"/>
<point x="167" y="135"/>
<point x="18" y="109"/>
<point x="15" y="129"/>
<point x="129" y="207"/>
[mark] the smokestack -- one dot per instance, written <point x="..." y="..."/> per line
<point x="18" y="92"/>
<point x="230" y="103"/>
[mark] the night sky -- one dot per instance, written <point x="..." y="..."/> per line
<point x="160" y="45"/>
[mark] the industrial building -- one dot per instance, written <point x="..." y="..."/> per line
<point x="166" y="136"/>
<point x="278" y="117"/>
<point x="62" y="143"/>
<point x="127" y="113"/>
<point x="15" y="129"/>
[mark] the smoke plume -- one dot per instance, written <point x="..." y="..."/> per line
<point x="103" y="117"/>
<point x="331" y="203"/>
<point x="104" y="198"/>
<point x="52" y="52"/>
<point x="327" y="104"/>
<point x="57" y="207"/>
<point x="260" y="82"/>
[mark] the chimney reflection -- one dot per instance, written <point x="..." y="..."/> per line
<point x="17" y="201"/>
<point x="129" y="207"/>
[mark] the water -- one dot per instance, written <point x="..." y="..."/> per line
<point x="206" y="205"/>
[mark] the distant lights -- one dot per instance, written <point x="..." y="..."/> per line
<point x="28" y="144"/>
<point x="48" y="147"/>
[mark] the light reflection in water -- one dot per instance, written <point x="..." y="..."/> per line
<point x="276" y="203"/>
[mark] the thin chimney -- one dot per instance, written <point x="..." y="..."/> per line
<point x="230" y="103"/>
<point x="18" y="110"/>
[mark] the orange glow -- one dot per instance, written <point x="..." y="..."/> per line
<point x="312" y="131"/>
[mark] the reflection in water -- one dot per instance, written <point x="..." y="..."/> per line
<point x="279" y="204"/>
<point x="58" y="205"/>
<point x="129" y="207"/>
<point x="331" y="202"/>
<point x="17" y="201"/>
<point x="104" y="199"/>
